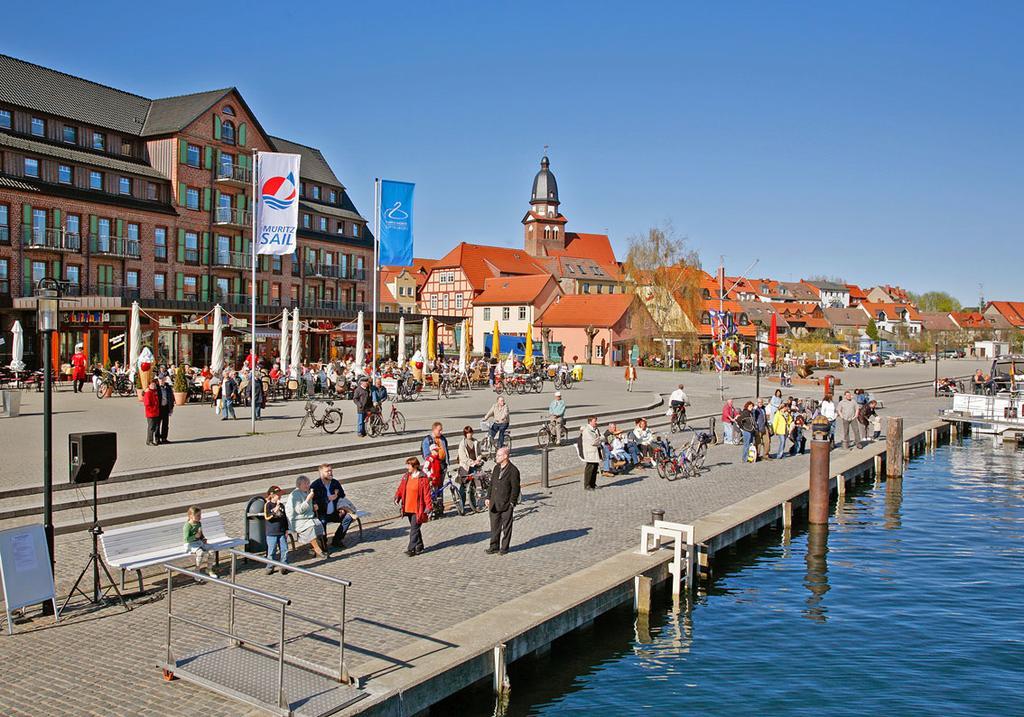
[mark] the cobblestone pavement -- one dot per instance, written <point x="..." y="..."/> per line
<point x="104" y="662"/>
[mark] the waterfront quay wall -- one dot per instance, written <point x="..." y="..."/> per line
<point x="411" y="680"/>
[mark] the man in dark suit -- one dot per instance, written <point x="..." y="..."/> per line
<point x="331" y="505"/>
<point x="501" y="499"/>
<point x="166" y="392"/>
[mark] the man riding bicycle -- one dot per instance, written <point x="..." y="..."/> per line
<point x="678" y="401"/>
<point x="557" y="410"/>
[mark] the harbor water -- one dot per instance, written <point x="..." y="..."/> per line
<point x="910" y="603"/>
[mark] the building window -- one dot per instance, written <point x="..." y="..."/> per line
<point x="569" y="268"/>
<point x="307" y="221"/>
<point x="64" y="174"/>
<point x="96" y="181"/>
<point x="191" y="246"/>
<point x="159" y="286"/>
<point x="31" y="167"/>
<point x="38" y="224"/>
<point x="70" y="134"/>
<point x="189" y="288"/>
<point x="341" y="227"/>
<point x="444" y="302"/>
<point x="73" y="274"/>
<point x="5" y="286"/>
<point x="222" y="289"/>
<point x="302" y="189"/>
<point x="458" y="301"/>
<point x="705" y="318"/>
<point x="38" y="271"/>
<point x="5" y="119"/>
<point x="522" y="313"/>
<point x="227" y="132"/>
<point x="487" y="313"/>
<point x="126" y="149"/>
<point x="506" y="312"/>
<point x="151" y="191"/>
<point x="192" y="155"/>
<point x="103" y="232"/>
<point x="160" y="244"/>
<point x="599" y="351"/>
<point x="586" y="288"/>
<point x="316" y="191"/>
<point x="99" y="141"/>
<point x="322" y="221"/>
<point x="228" y="110"/>
<point x="295" y="265"/>
<point x="295" y="294"/>
<point x="38" y="127"/>
<point x="191" y="198"/>
<point x="433" y="302"/>
<point x="72" y="225"/>
<point x="131" y="279"/>
<point x="124" y="185"/>
<point x="332" y="197"/>
<point x="355" y="230"/>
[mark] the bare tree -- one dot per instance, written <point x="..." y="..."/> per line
<point x="665" y="274"/>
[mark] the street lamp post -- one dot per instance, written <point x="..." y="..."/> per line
<point x="935" y="386"/>
<point x="47" y="313"/>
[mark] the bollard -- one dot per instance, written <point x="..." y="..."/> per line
<point x="544" y="476"/>
<point x="817" y="498"/>
<point x="787" y="515"/>
<point x="841" y="485"/>
<point x="657" y="514"/>
<point x="894" y="448"/>
<point x="642" y="594"/>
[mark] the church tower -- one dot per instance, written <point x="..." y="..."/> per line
<point x="544" y="225"/>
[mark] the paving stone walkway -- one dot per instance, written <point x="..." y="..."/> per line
<point x="104" y="662"/>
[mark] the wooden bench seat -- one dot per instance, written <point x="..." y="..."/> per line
<point x="140" y="546"/>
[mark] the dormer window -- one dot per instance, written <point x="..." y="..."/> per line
<point x="705" y="318"/>
<point x="881" y="316"/>
<point x="227" y="132"/>
<point x="705" y="293"/>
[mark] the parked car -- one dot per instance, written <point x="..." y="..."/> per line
<point x="852" y="359"/>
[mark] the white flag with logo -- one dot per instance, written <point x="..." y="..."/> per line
<point x="277" y="206"/>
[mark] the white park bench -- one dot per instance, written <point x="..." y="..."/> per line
<point x="139" y="546"/>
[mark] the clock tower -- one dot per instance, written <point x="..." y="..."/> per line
<point x="544" y="225"/>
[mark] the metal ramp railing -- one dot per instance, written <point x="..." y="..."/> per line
<point x="250" y="671"/>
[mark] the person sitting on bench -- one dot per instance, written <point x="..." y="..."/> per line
<point x="331" y="505"/>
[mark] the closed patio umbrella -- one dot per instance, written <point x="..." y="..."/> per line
<point x="284" y="349"/>
<point x="360" y="342"/>
<point x="401" y="341"/>
<point x="134" y="338"/>
<point x="17" y="347"/>
<point x="423" y="341"/>
<point x="528" y="358"/>
<point x="296" y="340"/>
<point x="217" y="360"/>
<point x="464" y="346"/>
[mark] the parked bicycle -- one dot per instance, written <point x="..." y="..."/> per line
<point x="329" y="420"/>
<point x="563" y="380"/>
<point x="409" y="389"/>
<point x="376" y="423"/>
<point x="121" y="384"/>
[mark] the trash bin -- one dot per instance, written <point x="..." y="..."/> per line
<point x="255" y="526"/>
<point x="11" y="403"/>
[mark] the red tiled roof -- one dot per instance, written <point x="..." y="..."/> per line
<point x="891" y="311"/>
<point x="385" y="293"/>
<point x="1012" y="311"/>
<point x="592" y="246"/>
<point x="581" y="310"/>
<point x="512" y="289"/>
<point x="479" y="262"/>
<point x="808" y="314"/>
<point x="970" y="319"/>
<point x="937" y="321"/>
<point x="857" y="294"/>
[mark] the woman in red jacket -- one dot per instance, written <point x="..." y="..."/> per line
<point x="413" y="497"/>
<point x="151" y="401"/>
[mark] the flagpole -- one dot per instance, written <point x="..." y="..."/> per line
<point x="252" y="326"/>
<point x="376" y="267"/>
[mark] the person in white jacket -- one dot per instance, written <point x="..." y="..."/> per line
<point x="592" y="441"/>
<point x="301" y="513"/>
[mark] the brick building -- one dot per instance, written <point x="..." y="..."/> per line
<point x="123" y="198"/>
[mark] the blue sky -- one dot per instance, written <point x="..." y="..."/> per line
<point x="876" y="141"/>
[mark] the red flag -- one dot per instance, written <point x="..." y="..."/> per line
<point x="773" y="337"/>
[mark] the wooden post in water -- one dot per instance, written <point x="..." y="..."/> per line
<point x="502" y="686"/>
<point x="642" y="594"/>
<point x="817" y="494"/>
<point x="894" y="448"/>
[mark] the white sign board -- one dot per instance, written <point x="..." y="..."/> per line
<point x="25" y="569"/>
<point x="391" y="385"/>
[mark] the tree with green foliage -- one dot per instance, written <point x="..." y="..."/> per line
<point x="935" y="301"/>
<point x="872" y="330"/>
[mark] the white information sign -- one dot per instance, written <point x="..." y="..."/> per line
<point x="25" y="569"/>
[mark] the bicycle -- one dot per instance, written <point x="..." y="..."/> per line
<point x="376" y="424"/>
<point x="677" y="424"/>
<point x="119" y="384"/>
<point x="551" y="432"/>
<point x="563" y="380"/>
<point x="487" y="443"/>
<point x="329" y="420"/>
<point x="409" y="389"/>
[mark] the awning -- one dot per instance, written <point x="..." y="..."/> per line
<point x="262" y="332"/>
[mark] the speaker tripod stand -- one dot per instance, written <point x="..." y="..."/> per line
<point x="99" y="597"/>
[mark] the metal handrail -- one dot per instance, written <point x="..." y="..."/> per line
<point x="342" y="674"/>
<point x="282" y="602"/>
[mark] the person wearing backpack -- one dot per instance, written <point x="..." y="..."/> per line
<point x="438" y="438"/>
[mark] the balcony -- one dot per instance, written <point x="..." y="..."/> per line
<point x="190" y="255"/>
<point x="228" y="217"/>
<point x="322" y="271"/>
<point x="336" y="305"/>
<point x="115" y="246"/>
<point x="68" y="288"/>
<point x="232" y="259"/>
<point x="52" y="239"/>
<point x="219" y="297"/>
<point x="129" y="293"/>
<point x="233" y="174"/>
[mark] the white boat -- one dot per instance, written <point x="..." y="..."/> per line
<point x="999" y="412"/>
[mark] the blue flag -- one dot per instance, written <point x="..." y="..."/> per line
<point x="396" y="223"/>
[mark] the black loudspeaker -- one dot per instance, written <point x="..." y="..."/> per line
<point x="92" y="455"/>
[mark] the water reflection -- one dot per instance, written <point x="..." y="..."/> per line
<point x="893" y="503"/>
<point x="816" y="577"/>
